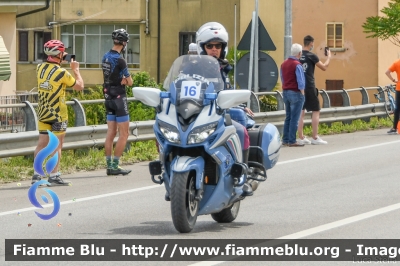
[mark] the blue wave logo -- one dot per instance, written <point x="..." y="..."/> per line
<point x="35" y="202"/>
<point x="44" y="153"/>
<point x="49" y="166"/>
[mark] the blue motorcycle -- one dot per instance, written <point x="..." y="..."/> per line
<point x="201" y="162"/>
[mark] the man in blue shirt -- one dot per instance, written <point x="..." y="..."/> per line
<point x="293" y="84"/>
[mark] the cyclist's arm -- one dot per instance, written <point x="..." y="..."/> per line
<point x="389" y="75"/>
<point x="126" y="78"/>
<point x="78" y="78"/>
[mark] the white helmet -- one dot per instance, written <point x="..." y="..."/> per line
<point x="192" y="48"/>
<point x="212" y="31"/>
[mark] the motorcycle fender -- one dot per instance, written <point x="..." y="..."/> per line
<point x="185" y="164"/>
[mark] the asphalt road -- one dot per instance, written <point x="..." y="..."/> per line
<point x="348" y="189"/>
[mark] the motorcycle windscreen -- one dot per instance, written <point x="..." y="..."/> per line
<point x="190" y="77"/>
<point x="200" y="67"/>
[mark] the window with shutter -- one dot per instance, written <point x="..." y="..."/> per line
<point x="334" y="35"/>
<point x="23" y="46"/>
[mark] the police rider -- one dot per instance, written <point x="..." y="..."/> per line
<point x="212" y="39"/>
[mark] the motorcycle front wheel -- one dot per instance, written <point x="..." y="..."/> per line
<point x="184" y="207"/>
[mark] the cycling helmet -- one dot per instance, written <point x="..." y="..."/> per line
<point x="120" y="35"/>
<point x="212" y="32"/>
<point x="54" y="47"/>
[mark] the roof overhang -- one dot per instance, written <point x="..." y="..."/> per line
<point x="23" y="3"/>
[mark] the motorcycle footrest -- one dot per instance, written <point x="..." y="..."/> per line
<point x="257" y="179"/>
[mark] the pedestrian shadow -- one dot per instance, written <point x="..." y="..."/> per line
<point x="16" y="187"/>
<point x="166" y="228"/>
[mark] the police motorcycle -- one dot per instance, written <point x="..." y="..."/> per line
<point x="201" y="160"/>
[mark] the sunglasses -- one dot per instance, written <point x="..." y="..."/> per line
<point x="210" y="46"/>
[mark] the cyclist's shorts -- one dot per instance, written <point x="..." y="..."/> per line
<point x="117" y="107"/>
<point x="57" y="128"/>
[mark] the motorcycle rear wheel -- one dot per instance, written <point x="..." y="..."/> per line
<point x="184" y="207"/>
<point x="227" y="215"/>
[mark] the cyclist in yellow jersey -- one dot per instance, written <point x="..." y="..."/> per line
<point x="52" y="109"/>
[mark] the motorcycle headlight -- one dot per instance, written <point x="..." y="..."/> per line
<point x="200" y="134"/>
<point x="170" y="132"/>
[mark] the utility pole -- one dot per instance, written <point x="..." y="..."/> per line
<point x="256" y="37"/>
<point x="288" y="28"/>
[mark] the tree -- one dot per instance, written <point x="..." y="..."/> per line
<point x="386" y="27"/>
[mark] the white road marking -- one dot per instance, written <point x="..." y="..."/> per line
<point x="155" y="186"/>
<point x="321" y="228"/>
<point x="338" y="152"/>
<point x="82" y="199"/>
<point x="297" y="235"/>
<point x="329" y="226"/>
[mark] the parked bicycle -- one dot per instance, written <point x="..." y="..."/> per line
<point x="390" y="104"/>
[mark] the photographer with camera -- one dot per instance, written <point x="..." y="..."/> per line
<point x="52" y="110"/>
<point x="309" y="60"/>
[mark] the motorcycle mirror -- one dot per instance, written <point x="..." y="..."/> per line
<point x="148" y="96"/>
<point x="230" y="98"/>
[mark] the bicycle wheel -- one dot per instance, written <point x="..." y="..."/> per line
<point x="389" y="108"/>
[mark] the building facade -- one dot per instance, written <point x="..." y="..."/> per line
<point x="356" y="60"/>
<point x="8" y="13"/>
<point x="160" y="31"/>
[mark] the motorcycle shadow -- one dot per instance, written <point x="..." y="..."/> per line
<point x="165" y="228"/>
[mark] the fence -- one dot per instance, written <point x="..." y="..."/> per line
<point x="81" y="135"/>
<point x="12" y="119"/>
<point x="326" y="102"/>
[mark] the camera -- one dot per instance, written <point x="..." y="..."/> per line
<point x="68" y="57"/>
<point x="326" y="51"/>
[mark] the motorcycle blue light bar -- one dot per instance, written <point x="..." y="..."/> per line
<point x="210" y="96"/>
<point x="165" y="94"/>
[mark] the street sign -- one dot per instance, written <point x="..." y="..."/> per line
<point x="265" y="42"/>
<point x="267" y="72"/>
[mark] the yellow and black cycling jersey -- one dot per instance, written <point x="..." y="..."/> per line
<point x="52" y="82"/>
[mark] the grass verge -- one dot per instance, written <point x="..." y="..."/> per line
<point x="21" y="168"/>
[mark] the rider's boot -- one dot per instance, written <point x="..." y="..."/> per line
<point x="247" y="188"/>
<point x="167" y="197"/>
<point x="246" y="156"/>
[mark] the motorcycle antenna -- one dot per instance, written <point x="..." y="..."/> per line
<point x="234" y="47"/>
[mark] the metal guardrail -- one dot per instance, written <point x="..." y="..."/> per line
<point x="24" y="143"/>
<point x="326" y="102"/>
<point x="83" y="136"/>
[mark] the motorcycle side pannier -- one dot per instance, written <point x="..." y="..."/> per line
<point x="265" y="144"/>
